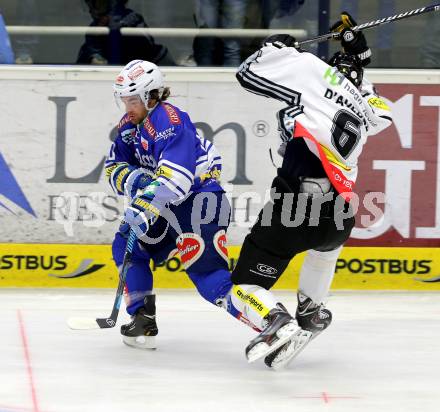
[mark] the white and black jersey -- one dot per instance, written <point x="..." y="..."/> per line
<point x="324" y="107"/>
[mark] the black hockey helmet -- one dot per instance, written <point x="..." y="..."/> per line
<point x="349" y="65"/>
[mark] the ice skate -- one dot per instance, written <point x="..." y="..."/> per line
<point x="312" y="319"/>
<point x="280" y="328"/>
<point x="142" y="330"/>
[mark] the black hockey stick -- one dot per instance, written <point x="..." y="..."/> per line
<point x="374" y="23"/>
<point x="110" y="322"/>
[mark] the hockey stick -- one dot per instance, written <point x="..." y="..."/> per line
<point x="110" y="322"/>
<point x="374" y="23"/>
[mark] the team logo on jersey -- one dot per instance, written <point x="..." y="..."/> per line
<point x="128" y="136"/>
<point x="11" y="191"/>
<point x="191" y="247"/>
<point x="144" y="143"/>
<point x="333" y="76"/>
<point x="150" y="128"/>
<point x="145" y="160"/>
<point x="172" y="114"/>
<point x="135" y="73"/>
<point x="165" y="134"/>
<point x="220" y="244"/>
<point x="379" y="103"/>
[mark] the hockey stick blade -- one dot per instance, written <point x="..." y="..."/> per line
<point x="89" y="323"/>
<point x="82" y="323"/>
<point x="105" y="323"/>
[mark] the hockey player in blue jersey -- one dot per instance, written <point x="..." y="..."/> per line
<point x="171" y="177"/>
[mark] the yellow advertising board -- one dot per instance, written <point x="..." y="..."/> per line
<point x="91" y="266"/>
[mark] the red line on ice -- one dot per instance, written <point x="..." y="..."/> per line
<point x="325" y="397"/>
<point x="28" y="361"/>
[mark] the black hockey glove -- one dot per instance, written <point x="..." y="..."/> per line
<point x="280" y="40"/>
<point x="346" y="22"/>
<point x="353" y="42"/>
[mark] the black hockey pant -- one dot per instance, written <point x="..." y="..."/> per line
<point x="268" y="248"/>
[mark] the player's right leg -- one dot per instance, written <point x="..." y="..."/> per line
<point x="316" y="276"/>
<point x="140" y="300"/>
<point x="139" y="297"/>
<point x="262" y="309"/>
<point x="264" y="256"/>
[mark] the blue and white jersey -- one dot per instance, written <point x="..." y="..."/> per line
<point x="166" y="146"/>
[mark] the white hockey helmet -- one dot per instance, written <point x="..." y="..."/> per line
<point x="138" y="77"/>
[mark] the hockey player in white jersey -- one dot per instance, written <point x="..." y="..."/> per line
<point x="330" y="111"/>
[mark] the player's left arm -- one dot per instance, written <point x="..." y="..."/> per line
<point x="378" y="108"/>
<point x="172" y="181"/>
<point x="262" y="73"/>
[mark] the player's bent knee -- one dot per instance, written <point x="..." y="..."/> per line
<point x="213" y="286"/>
<point x="258" y="267"/>
<point x="319" y="258"/>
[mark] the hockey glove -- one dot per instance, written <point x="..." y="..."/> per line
<point x="280" y="40"/>
<point x="141" y="214"/>
<point x="353" y="42"/>
<point x="124" y="229"/>
<point x="346" y="22"/>
<point x="140" y="182"/>
<point x="127" y="179"/>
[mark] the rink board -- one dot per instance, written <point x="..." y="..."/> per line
<point x="91" y="266"/>
<point x="54" y="189"/>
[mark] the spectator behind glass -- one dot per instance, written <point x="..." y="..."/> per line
<point x="278" y="9"/>
<point x="227" y="14"/>
<point x="429" y="49"/>
<point x="276" y="15"/>
<point x="115" y="48"/>
<point x="24" y="45"/>
<point x="6" y="54"/>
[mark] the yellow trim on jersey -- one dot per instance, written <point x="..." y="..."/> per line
<point x="120" y="177"/>
<point x="146" y="206"/>
<point x="250" y="300"/>
<point x="212" y="174"/>
<point x="109" y="169"/>
<point x="332" y="158"/>
<point x="379" y="103"/>
<point x="164" y="171"/>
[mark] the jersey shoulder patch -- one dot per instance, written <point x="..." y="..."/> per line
<point x="125" y="119"/>
<point x="172" y="113"/>
<point x="149" y="127"/>
<point x="378" y="103"/>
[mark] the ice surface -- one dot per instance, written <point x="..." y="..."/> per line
<point x="382" y="353"/>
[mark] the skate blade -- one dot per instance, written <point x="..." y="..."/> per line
<point x="140" y="342"/>
<point x="296" y="346"/>
<point x="284" y="334"/>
